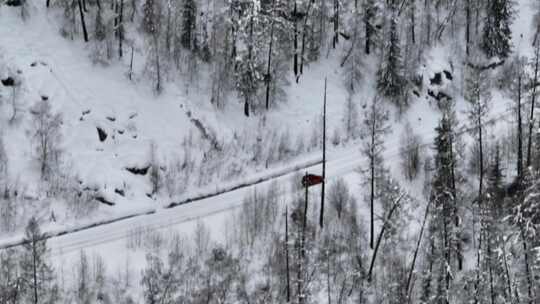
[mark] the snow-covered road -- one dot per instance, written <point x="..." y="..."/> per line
<point x="341" y="162"/>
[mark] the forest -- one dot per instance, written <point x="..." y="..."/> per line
<point x="448" y="218"/>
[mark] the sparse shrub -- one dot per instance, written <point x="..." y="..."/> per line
<point x="411" y="153"/>
<point x="175" y="178"/>
<point x="350" y="119"/>
<point x="336" y="137"/>
<point x="47" y="134"/>
<point x="155" y="171"/>
<point x="8" y="214"/>
<point x="284" y="146"/>
<point x="339" y="196"/>
<point x="80" y="201"/>
<point x="473" y="165"/>
<point x="3" y="164"/>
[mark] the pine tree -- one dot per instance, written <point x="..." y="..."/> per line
<point x="10" y="283"/>
<point x="390" y="79"/>
<point x="36" y="272"/>
<point x="515" y="80"/>
<point x="152" y="27"/>
<point x="497" y="35"/>
<point x="370" y="13"/>
<point x="352" y="61"/>
<point x="442" y="195"/>
<point x="249" y="65"/>
<point x="494" y="187"/>
<point x="149" y="21"/>
<point x="100" y="36"/>
<point x="189" y="21"/>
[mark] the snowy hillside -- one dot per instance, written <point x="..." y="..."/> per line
<point x="137" y="125"/>
<point x="184" y="153"/>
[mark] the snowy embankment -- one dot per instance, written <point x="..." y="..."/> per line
<point x="57" y="230"/>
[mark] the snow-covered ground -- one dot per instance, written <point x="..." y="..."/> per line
<point x="91" y="97"/>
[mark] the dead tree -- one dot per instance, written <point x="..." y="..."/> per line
<point x="379" y="238"/>
<point x="120" y="29"/>
<point x="268" y="76"/>
<point x="533" y="100"/>
<point x="83" y="23"/>
<point x="321" y="218"/>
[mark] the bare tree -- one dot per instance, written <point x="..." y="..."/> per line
<point x="339" y="196"/>
<point x="47" y="134"/>
<point x="411" y="145"/>
<point x="376" y="127"/>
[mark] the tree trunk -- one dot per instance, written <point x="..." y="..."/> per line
<point x="34" y="270"/>
<point x="413" y="21"/>
<point x="158" y="69"/>
<point x="411" y="271"/>
<point x="527" y="265"/>
<point x="427" y="9"/>
<point x="321" y="218"/>
<point x="268" y="77"/>
<point x="304" y="33"/>
<point x="454" y="198"/>
<point x="367" y="25"/>
<point x="120" y="29"/>
<point x="379" y="238"/>
<point x="301" y="264"/>
<point x="336" y="23"/>
<point x="467" y="27"/>
<point x="520" y="133"/>
<point x="131" y="65"/>
<point x="372" y="188"/>
<point x="533" y="99"/>
<point x="287" y="254"/>
<point x="295" y="41"/>
<point x="115" y="8"/>
<point x="246" y="106"/>
<point x="85" y="33"/>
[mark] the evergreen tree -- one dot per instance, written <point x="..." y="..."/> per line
<point x="370" y="13"/>
<point x="36" y="272"/>
<point x="497" y="35"/>
<point x="189" y="21"/>
<point x="100" y="39"/>
<point x="151" y="25"/>
<point x="10" y="283"/>
<point x="442" y="195"/>
<point x="390" y="79"/>
<point x="352" y="62"/>
<point x="150" y="17"/>
<point x="249" y="65"/>
<point x="495" y="189"/>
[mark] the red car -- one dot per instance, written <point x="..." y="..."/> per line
<point x="311" y="180"/>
